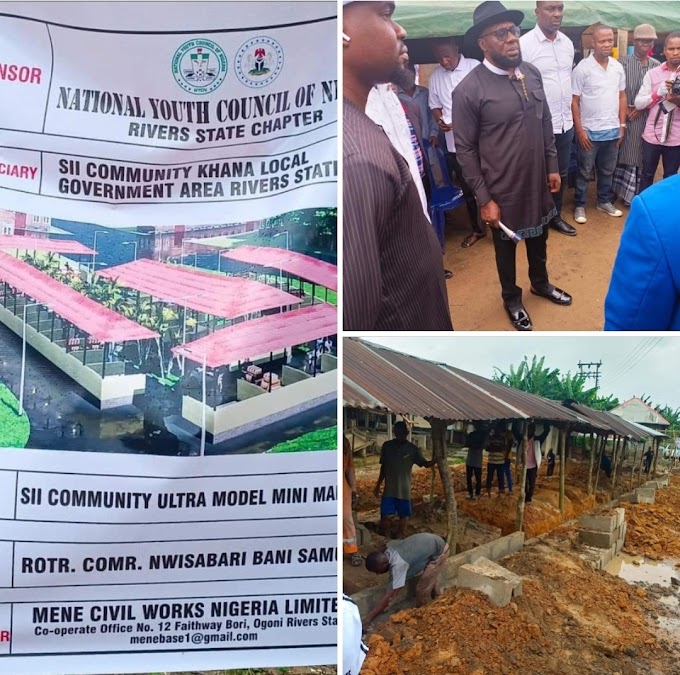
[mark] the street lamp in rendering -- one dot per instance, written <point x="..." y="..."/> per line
<point x="132" y="243"/>
<point x="279" y="234"/>
<point x="94" y="247"/>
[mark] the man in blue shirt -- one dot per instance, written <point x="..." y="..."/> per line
<point x="644" y="292"/>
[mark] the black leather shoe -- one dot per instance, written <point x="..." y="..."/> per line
<point x="556" y="295"/>
<point x="562" y="227"/>
<point x="520" y="319"/>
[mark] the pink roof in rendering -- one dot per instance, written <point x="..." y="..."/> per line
<point x="261" y="336"/>
<point x="8" y="241"/>
<point x="213" y="294"/>
<point x="303" y="266"/>
<point x="86" y="314"/>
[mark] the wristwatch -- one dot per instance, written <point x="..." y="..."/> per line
<point x="623" y="126"/>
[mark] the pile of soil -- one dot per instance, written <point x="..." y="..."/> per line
<point x="654" y="529"/>
<point x="570" y="619"/>
<point x="499" y="511"/>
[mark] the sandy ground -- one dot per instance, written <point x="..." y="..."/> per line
<point x="570" y="618"/>
<point x="580" y="265"/>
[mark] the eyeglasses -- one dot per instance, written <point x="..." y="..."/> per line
<point x="502" y="33"/>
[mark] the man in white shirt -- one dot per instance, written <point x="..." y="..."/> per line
<point x="353" y="648"/>
<point x="385" y="109"/>
<point x="552" y="52"/>
<point x="599" y="107"/>
<point x="452" y="68"/>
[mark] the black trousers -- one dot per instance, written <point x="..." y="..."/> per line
<point x="551" y="468"/>
<point x="651" y="154"/>
<point x="537" y="255"/>
<point x="563" y="143"/>
<point x="477" y="471"/>
<point x="491" y="469"/>
<point x="531" y="483"/>
<point x="456" y="170"/>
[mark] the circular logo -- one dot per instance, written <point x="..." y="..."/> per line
<point x="199" y="66"/>
<point x="259" y="61"/>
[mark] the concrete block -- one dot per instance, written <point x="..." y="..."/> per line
<point x="597" y="539"/>
<point x="363" y="534"/>
<point x="663" y="481"/>
<point x="515" y="542"/>
<point x="499" y="549"/>
<point x="624" y="530"/>
<point x="598" y="523"/>
<point x="607" y="556"/>
<point x="644" y="496"/>
<point x="455" y="562"/>
<point x="620" y="516"/>
<point x="497" y="583"/>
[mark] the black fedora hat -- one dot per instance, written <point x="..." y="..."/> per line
<point x="487" y="14"/>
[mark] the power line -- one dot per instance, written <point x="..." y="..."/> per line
<point x="621" y="366"/>
<point x="649" y="349"/>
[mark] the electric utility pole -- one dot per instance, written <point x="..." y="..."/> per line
<point x="590" y="371"/>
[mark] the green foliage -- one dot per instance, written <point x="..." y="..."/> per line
<point x="322" y="439"/>
<point x="536" y="378"/>
<point x="14" y="430"/>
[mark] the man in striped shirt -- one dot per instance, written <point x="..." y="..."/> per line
<point x="636" y="65"/>
<point x="393" y="267"/>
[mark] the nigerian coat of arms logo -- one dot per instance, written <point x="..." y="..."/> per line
<point x="258" y="62"/>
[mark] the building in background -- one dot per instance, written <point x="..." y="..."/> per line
<point x="162" y="243"/>
<point x="24" y="225"/>
<point x="636" y="410"/>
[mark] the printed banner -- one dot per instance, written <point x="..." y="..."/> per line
<point x="192" y="116"/>
<point x="166" y="563"/>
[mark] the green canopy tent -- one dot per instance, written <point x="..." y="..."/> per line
<point x="424" y="20"/>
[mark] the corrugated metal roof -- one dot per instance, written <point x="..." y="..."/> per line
<point x="646" y="430"/>
<point x="381" y="379"/>
<point x="609" y="421"/>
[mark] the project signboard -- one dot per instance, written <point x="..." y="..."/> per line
<point x="168" y="348"/>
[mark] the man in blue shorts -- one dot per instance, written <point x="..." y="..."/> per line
<point x="397" y="458"/>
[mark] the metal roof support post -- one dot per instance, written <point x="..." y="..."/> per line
<point x="603" y="445"/>
<point x="160" y="356"/>
<point x="85" y="350"/>
<point x="619" y="461"/>
<point x="656" y="457"/>
<point x="564" y="443"/>
<point x="271" y="361"/>
<point x="591" y="445"/>
<point x="522" y="463"/>
<point x="632" y="466"/>
<point x="438" y="431"/>
<point x="106" y="356"/>
<point x="642" y="459"/>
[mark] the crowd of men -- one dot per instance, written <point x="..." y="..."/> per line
<point x="506" y="127"/>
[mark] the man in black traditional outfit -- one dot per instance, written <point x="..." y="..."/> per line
<point x="505" y="143"/>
